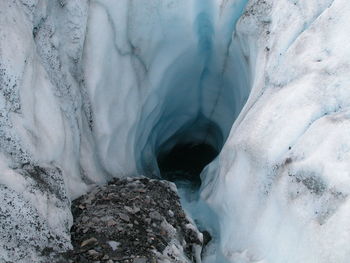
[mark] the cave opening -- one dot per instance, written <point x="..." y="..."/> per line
<point x="185" y="162"/>
<point x="192" y="105"/>
<point x="182" y="157"/>
<point x="194" y="97"/>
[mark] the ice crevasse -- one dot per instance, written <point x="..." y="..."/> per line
<point x="91" y="90"/>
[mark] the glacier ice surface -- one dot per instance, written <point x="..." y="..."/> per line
<point x="95" y="89"/>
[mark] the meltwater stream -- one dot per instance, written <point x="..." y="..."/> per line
<point x="183" y="165"/>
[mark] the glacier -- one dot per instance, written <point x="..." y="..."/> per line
<point x="91" y="90"/>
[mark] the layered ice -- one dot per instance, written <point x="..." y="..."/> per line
<point x="90" y="90"/>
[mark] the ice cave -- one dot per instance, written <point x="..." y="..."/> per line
<point x="243" y="105"/>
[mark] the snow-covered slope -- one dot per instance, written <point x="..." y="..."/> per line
<point x="95" y="89"/>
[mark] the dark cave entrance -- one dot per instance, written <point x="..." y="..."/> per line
<point x="185" y="154"/>
<point x="185" y="162"/>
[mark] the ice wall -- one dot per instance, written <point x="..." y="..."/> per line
<point x="281" y="183"/>
<point x="45" y="139"/>
<point x="43" y="48"/>
<point x="93" y="89"/>
<point x="171" y="68"/>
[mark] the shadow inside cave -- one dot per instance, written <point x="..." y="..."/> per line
<point x="185" y="162"/>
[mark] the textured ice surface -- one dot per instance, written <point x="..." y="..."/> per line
<point x="43" y="130"/>
<point x="281" y="183"/>
<point x="154" y="69"/>
<point x="94" y="89"/>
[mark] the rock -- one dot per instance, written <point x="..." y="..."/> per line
<point x="113" y="244"/>
<point x="93" y="253"/>
<point x="124" y="217"/>
<point x="155" y="215"/>
<point x="111" y="223"/>
<point x="136" y="209"/>
<point x="95" y="220"/>
<point x="140" y="260"/>
<point x="131" y="210"/>
<point x="206" y="238"/>
<point x="89" y="241"/>
<point x="128" y="225"/>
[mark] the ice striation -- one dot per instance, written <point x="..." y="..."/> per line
<point x="91" y="90"/>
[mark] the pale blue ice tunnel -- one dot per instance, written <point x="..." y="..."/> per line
<point x="196" y="103"/>
<point x="199" y="96"/>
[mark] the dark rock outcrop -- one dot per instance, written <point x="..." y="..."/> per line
<point x="132" y="220"/>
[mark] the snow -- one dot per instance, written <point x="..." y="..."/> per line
<point x="94" y="89"/>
